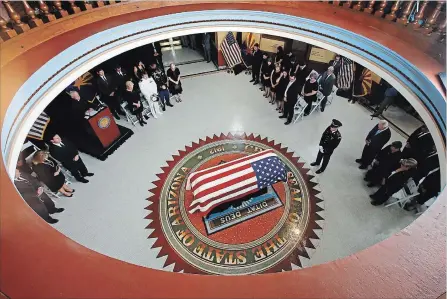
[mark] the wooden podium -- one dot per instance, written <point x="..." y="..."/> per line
<point x="104" y="126"/>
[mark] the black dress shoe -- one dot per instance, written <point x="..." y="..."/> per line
<point x="319" y="171"/>
<point x="117" y="117"/>
<point x="52" y="220"/>
<point x="141" y="124"/>
<point x="409" y="207"/>
<point x="314" y="164"/>
<point x="288" y="122"/>
<point x="256" y="82"/>
<point x="82" y="180"/>
<point x="363" y="166"/>
<point x="375" y="203"/>
<point x="283" y="116"/>
<point x="359" y="161"/>
<point x="169" y="104"/>
<point x="164" y="109"/>
<point x="144" y="122"/>
<point x="59" y="210"/>
<point x="146" y="117"/>
<point x="89" y="174"/>
<point x="252" y="80"/>
<point x="374" y="115"/>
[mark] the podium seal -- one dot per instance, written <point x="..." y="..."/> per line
<point x="271" y="230"/>
<point x="104" y="122"/>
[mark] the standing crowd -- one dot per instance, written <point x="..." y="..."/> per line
<point x="284" y="80"/>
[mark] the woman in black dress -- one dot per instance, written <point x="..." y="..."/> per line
<point x="266" y="72"/>
<point x="279" y="56"/>
<point x="280" y="91"/>
<point x="134" y="103"/>
<point x="274" y="81"/>
<point x="310" y="92"/>
<point x="50" y="174"/>
<point x="175" y="86"/>
<point x="138" y="71"/>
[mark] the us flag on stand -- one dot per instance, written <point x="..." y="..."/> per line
<point x="234" y="180"/>
<point x="231" y="50"/>
<point x="346" y="73"/>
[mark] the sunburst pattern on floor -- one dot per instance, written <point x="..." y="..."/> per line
<point x="273" y="241"/>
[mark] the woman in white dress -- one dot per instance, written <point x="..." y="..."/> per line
<point x="148" y="88"/>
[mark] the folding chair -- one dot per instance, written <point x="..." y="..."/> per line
<point x="316" y="104"/>
<point x="402" y="196"/>
<point x="129" y="116"/>
<point x="146" y="105"/>
<point x="298" y="111"/>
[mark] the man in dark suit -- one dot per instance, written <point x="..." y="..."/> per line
<point x="326" y="84"/>
<point x="66" y="153"/>
<point x="394" y="182"/>
<point x="386" y="161"/>
<point x="108" y="90"/>
<point x="302" y="74"/>
<point x="32" y="192"/>
<point x="328" y="143"/>
<point x="288" y="61"/>
<point x="290" y="99"/>
<point x="156" y="54"/>
<point x="336" y="64"/>
<point x="206" y="43"/>
<point x="427" y="189"/>
<point x="419" y="144"/>
<point x="375" y="140"/>
<point x="256" y="62"/>
<point x="120" y="78"/>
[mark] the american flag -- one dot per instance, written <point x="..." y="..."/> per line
<point x="346" y="73"/>
<point x="231" y="50"/>
<point x="235" y="179"/>
<point x="37" y="131"/>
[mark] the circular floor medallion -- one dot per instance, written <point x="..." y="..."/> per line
<point x="267" y="230"/>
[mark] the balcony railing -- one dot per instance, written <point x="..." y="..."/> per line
<point x="426" y="17"/>
<point x="17" y="17"/>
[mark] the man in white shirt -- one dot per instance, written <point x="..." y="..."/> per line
<point x="148" y="88"/>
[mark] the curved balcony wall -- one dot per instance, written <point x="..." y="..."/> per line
<point x="34" y="77"/>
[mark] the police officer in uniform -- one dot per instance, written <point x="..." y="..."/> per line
<point x="329" y="141"/>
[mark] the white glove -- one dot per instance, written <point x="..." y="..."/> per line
<point x="321" y="149"/>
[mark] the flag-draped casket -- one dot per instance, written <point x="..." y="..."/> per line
<point x="233" y="180"/>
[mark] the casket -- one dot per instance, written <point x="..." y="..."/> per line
<point x="234" y="180"/>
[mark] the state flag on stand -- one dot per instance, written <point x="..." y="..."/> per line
<point x="234" y="180"/>
<point x="85" y="86"/>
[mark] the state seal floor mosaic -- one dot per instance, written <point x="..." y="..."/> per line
<point x="116" y="214"/>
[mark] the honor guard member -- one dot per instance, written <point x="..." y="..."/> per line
<point x="329" y="141"/>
